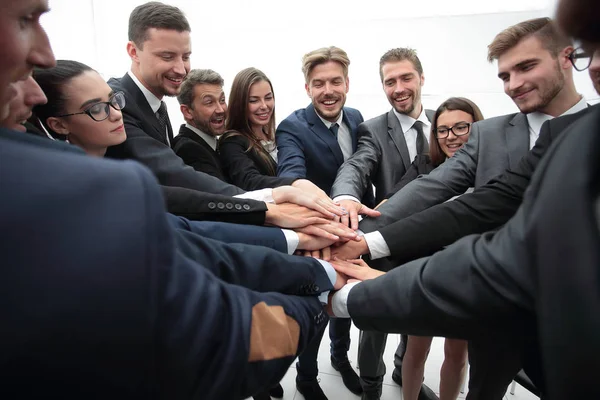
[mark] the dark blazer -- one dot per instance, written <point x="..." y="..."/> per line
<point x="527" y="281"/>
<point x="487" y="208"/>
<point x="381" y="158"/>
<point x="246" y="168"/>
<point x="147" y="144"/>
<point x="196" y="153"/>
<point x="308" y="150"/>
<point x="103" y="299"/>
<point x="494" y="145"/>
<point x="420" y="166"/>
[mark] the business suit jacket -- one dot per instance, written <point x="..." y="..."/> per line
<point x="307" y="149"/>
<point x="196" y="153"/>
<point x="101" y="300"/>
<point x="420" y="166"/>
<point x="147" y="144"/>
<point x="494" y="145"/>
<point x="528" y="280"/>
<point x="381" y="157"/>
<point x="487" y="208"/>
<point x="245" y="168"/>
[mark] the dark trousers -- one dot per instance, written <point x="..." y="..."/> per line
<point x="339" y="334"/>
<point x="370" y="358"/>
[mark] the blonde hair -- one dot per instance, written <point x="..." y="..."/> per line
<point x="323" y="55"/>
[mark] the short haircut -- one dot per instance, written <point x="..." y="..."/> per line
<point x="155" y="15"/>
<point x="544" y="29"/>
<point x="400" y="54"/>
<point x="197" y="77"/>
<point x="322" y="56"/>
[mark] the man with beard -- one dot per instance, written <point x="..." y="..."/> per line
<point x="204" y="109"/>
<point x="534" y="63"/>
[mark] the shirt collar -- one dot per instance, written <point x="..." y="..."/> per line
<point x="152" y="100"/>
<point x="209" y="139"/>
<point x="406" y="122"/>
<point x="328" y="123"/>
<point x="537" y="119"/>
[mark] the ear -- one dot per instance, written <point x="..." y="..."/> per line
<point x="563" y="57"/>
<point x="347" y="84"/>
<point x="132" y="51"/>
<point x="422" y="79"/>
<point x="307" y="90"/>
<point x="58" y="125"/>
<point x="185" y="110"/>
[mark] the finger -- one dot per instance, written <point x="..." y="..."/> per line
<point x="315" y="254"/>
<point x="332" y="207"/>
<point x="346" y="219"/>
<point x="337" y="218"/>
<point x="316" y="231"/>
<point x="354" y="219"/>
<point x="364" y="210"/>
<point x="326" y="254"/>
<point x="343" y="232"/>
<point x="358" y="261"/>
<point x="307" y="253"/>
<point x="304" y="222"/>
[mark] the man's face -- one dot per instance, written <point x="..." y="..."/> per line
<point x="163" y="61"/>
<point x="28" y="95"/>
<point x="327" y="87"/>
<point x="402" y="86"/>
<point x="209" y="109"/>
<point x="594" y="69"/>
<point x="532" y="77"/>
<point x="23" y="43"/>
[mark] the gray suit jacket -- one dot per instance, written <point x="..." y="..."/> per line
<point x="381" y="157"/>
<point x="494" y="145"/>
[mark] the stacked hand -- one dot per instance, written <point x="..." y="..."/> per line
<point x="354" y="209"/>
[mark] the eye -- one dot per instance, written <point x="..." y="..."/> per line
<point x="97" y="109"/>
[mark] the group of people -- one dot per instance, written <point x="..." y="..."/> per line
<point x="158" y="265"/>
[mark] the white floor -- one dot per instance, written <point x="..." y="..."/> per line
<point x="332" y="384"/>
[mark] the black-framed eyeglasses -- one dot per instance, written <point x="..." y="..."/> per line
<point x="581" y="59"/>
<point x="101" y="111"/>
<point x="460" y="129"/>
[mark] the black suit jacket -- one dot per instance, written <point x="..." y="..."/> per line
<point x="245" y="168"/>
<point x="100" y="297"/>
<point x="487" y="208"/>
<point x="537" y="278"/>
<point x="196" y="153"/>
<point x="420" y="166"/>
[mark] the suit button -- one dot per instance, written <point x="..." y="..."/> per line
<point x="238" y="207"/>
<point x="220" y="206"/>
<point x="211" y="205"/>
<point x="229" y="206"/>
<point x="316" y="288"/>
<point x="246" y="207"/>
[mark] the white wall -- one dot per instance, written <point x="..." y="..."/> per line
<point x="451" y="38"/>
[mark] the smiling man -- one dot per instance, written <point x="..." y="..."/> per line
<point x="27" y="95"/>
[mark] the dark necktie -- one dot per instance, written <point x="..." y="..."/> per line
<point x="163" y="118"/>
<point x="422" y="145"/>
<point x="334" y="129"/>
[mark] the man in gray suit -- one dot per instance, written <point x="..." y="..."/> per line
<point x="386" y="147"/>
<point x="534" y="65"/>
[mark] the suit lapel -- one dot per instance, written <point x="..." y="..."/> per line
<point x="517" y="139"/>
<point x="397" y="134"/>
<point x="188" y="133"/>
<point x="319" y="128"/>
<point x="142" y="104"/>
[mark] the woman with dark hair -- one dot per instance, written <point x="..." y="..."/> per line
<point x="450" y="129"/>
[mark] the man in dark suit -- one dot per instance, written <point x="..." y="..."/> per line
<point x="202" y="103"/>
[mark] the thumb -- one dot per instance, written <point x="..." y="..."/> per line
<point x="369" y="211"/>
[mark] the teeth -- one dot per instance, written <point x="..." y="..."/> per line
<point x="329" y="102"/>
<point x="402" y="98"/>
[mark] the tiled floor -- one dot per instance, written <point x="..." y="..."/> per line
<point x="332" y="385"/>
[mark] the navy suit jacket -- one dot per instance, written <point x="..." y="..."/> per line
<point x="307" y="149"/>
<point x="101" y="296"/>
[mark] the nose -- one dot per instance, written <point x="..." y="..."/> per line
<point x="451" y="136"/>
<point x="41" y="54"/>
<point x="221" y="108"/>
<point x="514" y="82"/>
<point x="328" y="88"/>
<point x="180" y="67"/>
<point x="33" y="93"/>
<point x="114" y="115"/>
<point x="399" y="88"/>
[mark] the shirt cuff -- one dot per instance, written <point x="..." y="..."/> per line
<point x="332" y="275"/>
<point x="345" y="197"/>
<point x="292" y="240"/>
<point x="265" y="195"/>
<point x="339" y="301"/>
<point x="378" y="248"/>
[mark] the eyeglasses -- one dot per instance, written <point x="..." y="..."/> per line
<point x="460" y="129"/>
<point x="101" y="111"/>
<point x="581" y="59"/>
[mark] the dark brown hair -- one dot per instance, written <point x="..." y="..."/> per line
<point x="400" y="54"/>
<point x="157" y="15"/>
<point x="453" y="103"/>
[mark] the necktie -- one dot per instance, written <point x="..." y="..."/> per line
<point x="334" y="129"/>
<point x="422" y="145"/>
<point x="163" y="118"/>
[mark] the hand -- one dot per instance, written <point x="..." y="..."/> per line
<point x="322" y="254"/>
<point x="307" y="186"/>
<point x="351" y="250"/>
<point x="312" y="242"/>
<point x="331" y="230"/>
<point x="318" y="202"/>
<point x="357" y="269"/>
<point x="288" y="215"/>
<point x="354" y="208"/>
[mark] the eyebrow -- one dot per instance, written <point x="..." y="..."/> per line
<point x="519" y="65"/>
<point x="94" y="101"/>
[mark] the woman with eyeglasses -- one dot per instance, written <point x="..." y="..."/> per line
<point x="450" y="128"/>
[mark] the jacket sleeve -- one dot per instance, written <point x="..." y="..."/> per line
<point x="356" y="173"/>
<point x="291" y="162"/>
<point x="421" y="165"/>
<point x="242" y="169"/>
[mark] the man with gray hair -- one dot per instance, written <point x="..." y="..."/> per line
<point x="202" y="103"/>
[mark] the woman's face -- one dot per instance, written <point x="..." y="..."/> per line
<point x="455" y="119"/>
<point x="260" y="104"/>
<point x="81" y="93"/>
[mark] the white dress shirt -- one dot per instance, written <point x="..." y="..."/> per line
<point x="343" y="136"/>
<point x="152" y="100"/>
<point x="209" y="139"/>
<point x="410" y="133"/>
